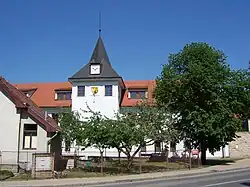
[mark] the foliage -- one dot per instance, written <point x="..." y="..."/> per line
<point x="97" y="132"/>
<point x="143" y="127"/>
<point x="5" y="174"/>
<point x="238" y="92"/>
<point x="72" y="126"/>
<point x="124" y="132"/>
<point x="199" y="87"/>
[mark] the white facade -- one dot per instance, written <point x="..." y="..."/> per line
<point x="9" y="134"/>
<point x="106" y="105"/>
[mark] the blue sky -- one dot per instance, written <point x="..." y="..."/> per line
<point x="49" y="40"/>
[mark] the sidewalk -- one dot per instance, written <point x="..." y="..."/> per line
<point x="240" y="164"/>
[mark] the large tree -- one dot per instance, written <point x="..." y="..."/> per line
<point x="197" y="84"/>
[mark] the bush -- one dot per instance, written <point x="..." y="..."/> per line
<point x="5" y="174"/>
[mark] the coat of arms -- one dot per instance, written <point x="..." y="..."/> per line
<point x="94" y="90"/>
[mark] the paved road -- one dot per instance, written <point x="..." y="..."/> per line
<point x="222" y="179"/>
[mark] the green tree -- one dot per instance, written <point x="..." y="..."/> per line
<point x="197" y="86"/>
<point x="142" y="127"/>
<point x="127" y="131"/>
<point x="70" y="122"/>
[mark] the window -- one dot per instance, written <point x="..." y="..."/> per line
<point x="64" y="95"/>
<point x="81" y="91"/>
<point x="67" y="145"/>
<point x="140" y="94"/>
<point x="108" y="90"/>
<point x="157" y="146"/>
<point x="30" y="136"/>
<point x="144" y="148"/>
<point x="172" y="146"/>
<point x="27" y="94"/>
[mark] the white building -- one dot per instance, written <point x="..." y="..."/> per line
<point x="24" y="129"/>
<point x="97" y="86"/>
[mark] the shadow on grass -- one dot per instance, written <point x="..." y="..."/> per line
<point x="213" y="162"/>
<point x="245" y="183"/>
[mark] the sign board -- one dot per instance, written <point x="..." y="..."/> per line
<point x="43" y="163"/>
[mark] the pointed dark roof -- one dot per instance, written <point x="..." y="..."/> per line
<point x="99" y="56"/>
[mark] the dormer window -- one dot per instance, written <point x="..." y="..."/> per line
<point x="29" y="92"/>
<point x="138" y="94"/>
<point x="63" y="95"/>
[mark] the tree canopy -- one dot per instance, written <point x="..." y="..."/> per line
<point x="128" y="133"/>
<point x="199" y="87"/>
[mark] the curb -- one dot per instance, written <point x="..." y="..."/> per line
<point x="173" y="177"/>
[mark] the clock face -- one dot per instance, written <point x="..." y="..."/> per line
<point x="95" y="69"/>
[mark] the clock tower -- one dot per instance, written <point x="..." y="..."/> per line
<point x="97" y="86"/>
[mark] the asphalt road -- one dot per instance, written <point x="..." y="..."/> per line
<point x="240" y="178"/>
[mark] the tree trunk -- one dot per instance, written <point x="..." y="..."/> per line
<point x="119" y="156"/>
<point x="130" y="161"/>
<point x="166" y="154"/>
<point x="190" y="158"/>
<point x="140" y="169"/>
<point x="101" y="162"/>
<point x="203" y="154"/>
<point x="75" y="160"/>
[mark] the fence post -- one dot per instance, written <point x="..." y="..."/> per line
<point x="27" y="161"/>
<point x="140" y="161"/>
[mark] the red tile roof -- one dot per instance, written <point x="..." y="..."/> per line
<point x="22" y="101"/>
<point x="148" y="84"/>
<point x="44" y="96"/>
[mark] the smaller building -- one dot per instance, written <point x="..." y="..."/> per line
<point x="24" y="129"/>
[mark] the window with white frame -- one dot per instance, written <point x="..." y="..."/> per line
<point x="138" y="94"/>
<point x="108" y="90"/>
<point x="144" y="147"/>
<point x="157" y="146"/>
<point x="80" y="91"/>
<point x="30" y="136"/>
<point x="63" y="95"/>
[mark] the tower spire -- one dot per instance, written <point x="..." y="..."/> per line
<point x="100" y="26"/>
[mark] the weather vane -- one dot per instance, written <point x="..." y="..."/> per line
<point x="100" y="26"/>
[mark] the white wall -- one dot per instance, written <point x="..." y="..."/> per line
<point x="9" y="120"/>
<point x="9" y="128"/>
<point x="107" y="105"/>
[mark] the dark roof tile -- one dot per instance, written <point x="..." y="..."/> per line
<point x="99" y="56"/>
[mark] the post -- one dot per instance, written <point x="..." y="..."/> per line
<point x="19" y="137"/>
<point x="140" y="162"/>
<point x="27" y="178"/>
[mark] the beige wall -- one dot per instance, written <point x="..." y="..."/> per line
<point x="241" y="146"/>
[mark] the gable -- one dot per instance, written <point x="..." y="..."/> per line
<point x="21" y="101"/>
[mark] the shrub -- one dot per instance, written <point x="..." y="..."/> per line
<point x="5" y="174"/>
